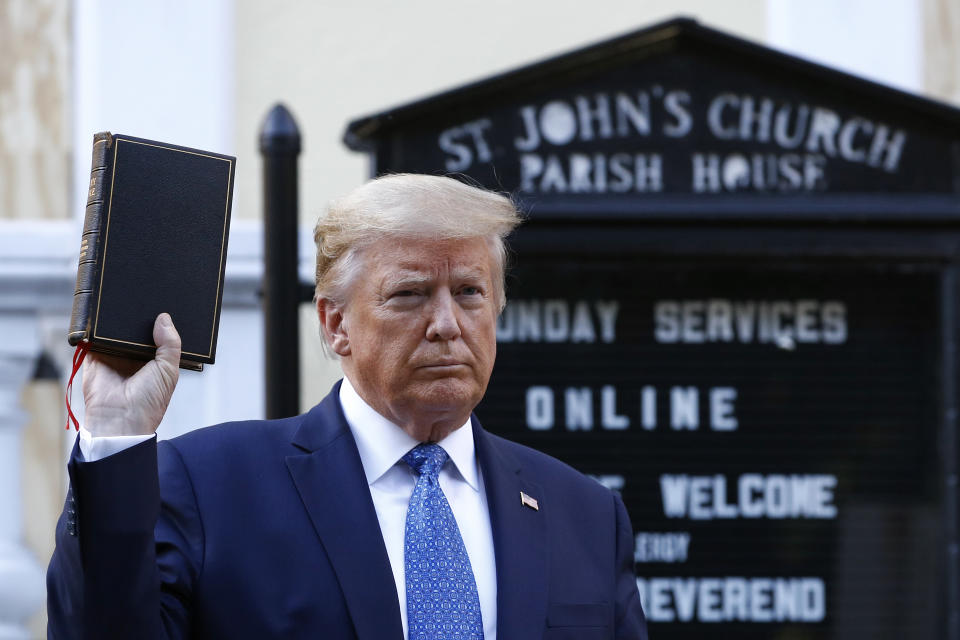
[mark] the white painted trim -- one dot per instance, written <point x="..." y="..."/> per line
<point x="37" y="268"/>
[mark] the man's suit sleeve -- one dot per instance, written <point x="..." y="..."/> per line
<point x="630" y="621"/>
<point x="117" y="572"/>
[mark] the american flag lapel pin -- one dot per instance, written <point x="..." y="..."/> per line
<point x="529" y="502"/>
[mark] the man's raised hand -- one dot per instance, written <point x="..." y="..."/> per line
<point x="125" y="397"/>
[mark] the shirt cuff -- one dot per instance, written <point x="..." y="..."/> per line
<point x="96" y="448"/>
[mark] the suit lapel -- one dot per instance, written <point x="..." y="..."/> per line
<point x="332" y="485"/>
<point x="519" y="539"/>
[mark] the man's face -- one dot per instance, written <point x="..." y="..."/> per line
<point x="417" y="335"/>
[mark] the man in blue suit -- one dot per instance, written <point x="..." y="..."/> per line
<point x="385" y="512"/>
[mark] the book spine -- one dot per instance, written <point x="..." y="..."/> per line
<point x="88" y="271"/>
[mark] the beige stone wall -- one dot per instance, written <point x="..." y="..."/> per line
<point x="34" y="103"/>
<point x="941" y="40"/>
<point x="333" y="61"/>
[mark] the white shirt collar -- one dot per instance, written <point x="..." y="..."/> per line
<point x="381" y="443"/>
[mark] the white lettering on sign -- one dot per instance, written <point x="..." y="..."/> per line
<point x="578" y="409"/>
<point x="733" y="599"/>
<point x="558" y="321"/>
<point x="612" y="481"/>
<point x="713" y="173"/>
<point x="594" y="173"/>
<point x="609" y="417"/>
<point x="648" y="408"/>
<point x="685" y="408"/>
<point x="579" y="404"/>
<point x="465" y="143"/>
<point x="661" y="547"/>
<point x="784" y="323"/>
<point x="679" y="121"/>
<point x="796" y="140"/>
<point x="721" y="409"/>
<point x="774" y="496"/>
<point x="539" y="408"/>
<point x="604" y="115"/>
<point x="818" y="130"/>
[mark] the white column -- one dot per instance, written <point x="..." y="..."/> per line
<point x="158" y="70"/>
<point x="881" y="40"/>
<point x="21" y="576"/>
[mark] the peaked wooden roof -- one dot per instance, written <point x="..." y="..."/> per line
<point x="671" y="35"/>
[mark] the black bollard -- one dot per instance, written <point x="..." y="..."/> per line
<point x="280" y="147"/>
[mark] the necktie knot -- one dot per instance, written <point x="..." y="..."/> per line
<point x="426" y="459"/>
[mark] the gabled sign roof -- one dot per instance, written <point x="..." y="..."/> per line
<point x="679" y="119"/>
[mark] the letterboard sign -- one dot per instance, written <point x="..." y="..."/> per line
<point x="772" y="433"/>
<point x="734" y="302"/>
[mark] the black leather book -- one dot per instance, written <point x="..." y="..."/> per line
<point x="154" y="240"/>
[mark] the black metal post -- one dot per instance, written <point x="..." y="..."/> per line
<point x="950" y="284"/>
<point x="280" y="147"/>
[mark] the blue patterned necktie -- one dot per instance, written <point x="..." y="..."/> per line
<point x="442" y="600"/>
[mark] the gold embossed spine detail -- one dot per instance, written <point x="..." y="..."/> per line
<point x="87" y="264"/>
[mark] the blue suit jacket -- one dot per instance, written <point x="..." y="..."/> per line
<point x="266" y="529"/>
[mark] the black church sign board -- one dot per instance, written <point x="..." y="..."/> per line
<point x="735" y="302"/>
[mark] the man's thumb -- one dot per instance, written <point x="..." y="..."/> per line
<point x="167" y="340"/>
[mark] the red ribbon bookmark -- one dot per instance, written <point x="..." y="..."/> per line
<point x="78" y="356"/>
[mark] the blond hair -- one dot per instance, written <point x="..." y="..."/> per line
<point x="407" y="206"/>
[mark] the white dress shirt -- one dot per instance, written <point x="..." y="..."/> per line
<point x="382" y="444"/>
<point x="95" y="448"/>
